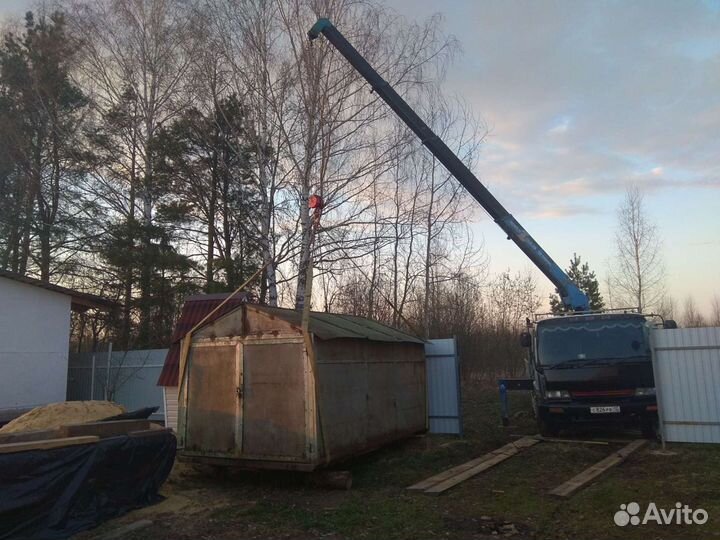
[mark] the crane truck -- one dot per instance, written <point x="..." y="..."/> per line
<point x="583" y="366"/>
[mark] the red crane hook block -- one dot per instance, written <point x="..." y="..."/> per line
<point x="316" y="201"/>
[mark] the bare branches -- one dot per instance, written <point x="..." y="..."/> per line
<point x="638" y="272"/>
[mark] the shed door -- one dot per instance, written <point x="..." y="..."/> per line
<point x="213" y="418"/>
<point x="274" y="401"/>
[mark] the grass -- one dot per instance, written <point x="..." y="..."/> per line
<point x="379" y="506"/>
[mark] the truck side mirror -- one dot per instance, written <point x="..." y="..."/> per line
<point x="669" y="324"/>
<point x="525" y="339"/>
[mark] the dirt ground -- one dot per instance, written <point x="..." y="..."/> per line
<point x="509" y="500"/>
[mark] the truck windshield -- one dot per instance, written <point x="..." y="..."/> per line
<point x="592" y="341"/>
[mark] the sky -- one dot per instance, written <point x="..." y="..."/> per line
<point x="584" y="99"/>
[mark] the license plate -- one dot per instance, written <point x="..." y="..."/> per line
<point x="605" y="410"/>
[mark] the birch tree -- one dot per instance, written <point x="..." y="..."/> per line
<point x="638" y="272"/>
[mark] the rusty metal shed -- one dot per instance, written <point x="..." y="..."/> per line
<point x="254" y="397"/>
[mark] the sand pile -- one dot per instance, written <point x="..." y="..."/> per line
<point x="59" y="414"/>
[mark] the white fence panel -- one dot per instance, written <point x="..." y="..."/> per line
<point x="132" y="378"/>
<point x="443" y="383"/>
<point x="687" y="377"/>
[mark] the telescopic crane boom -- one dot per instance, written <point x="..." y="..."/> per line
<point x="573" y="298"/>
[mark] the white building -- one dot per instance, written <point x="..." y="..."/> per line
<point x="35" y="340"/>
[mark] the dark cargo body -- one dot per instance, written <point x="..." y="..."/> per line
<point x="253" y="401"/>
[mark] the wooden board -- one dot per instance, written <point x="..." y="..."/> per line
<point x="449" y="473"/>
<point x="451" y="477"/>
<point x="156" y="430"/>
<point x="570" y="441"/>
<point x="112" y="428"/>
<point x="34" y="435"/>
<point x="46" y="445"/>
<point x="577" y="482"/>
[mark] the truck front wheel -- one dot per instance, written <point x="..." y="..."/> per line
<point x="649" y="427"/>
<point x="547" y="427"/>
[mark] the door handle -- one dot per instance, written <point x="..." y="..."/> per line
<point x="238" y="391"/>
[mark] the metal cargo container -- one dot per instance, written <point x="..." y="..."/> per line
<point x="252" y="397"/>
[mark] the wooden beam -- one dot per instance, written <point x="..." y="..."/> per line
<point x="581" y="480"/>
<point x="150" y="432"/>
<point x="29" y="436"/>
<point x="45" y="445"/>
<point x="451" y="477"/>
<point x="449" y="473"/>
<point x="570" y="441"/>
<point x="111" y="428"/>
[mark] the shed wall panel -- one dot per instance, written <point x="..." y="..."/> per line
<point x="370" y="393"/>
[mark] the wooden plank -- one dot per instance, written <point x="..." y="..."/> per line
<point x="429" y="482"/>
<point x="447" y="479"/>
<point x="34" y="435"/>
<point x="150" y="432"/>
<point x="577" y="482"/>
<point x="571" y="441"/>
<point x="46" y="445"/>
<point x="122" y="532"/>
<point x="449" y="473"/>
<point x="112" y="428"/>
<point x="485" y="465"/>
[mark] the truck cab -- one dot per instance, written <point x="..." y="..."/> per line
<point x="592" y="368"/>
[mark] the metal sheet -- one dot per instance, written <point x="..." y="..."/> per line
<point x="687" y="378"/>
<point x="370" y="393"/>
<point x="323" y="325"/>
<point x="274" y="401"/>
<point x="443" y="380"/>
<point x="213" y="400"/>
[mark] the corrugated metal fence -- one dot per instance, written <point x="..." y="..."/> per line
<point x="443" y="386"/>
<point x="130" y="381"/>
<point x="687" y="379"/>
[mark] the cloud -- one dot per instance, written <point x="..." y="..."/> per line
<point x="588" y="98"/>
<point x="561" y="126"/>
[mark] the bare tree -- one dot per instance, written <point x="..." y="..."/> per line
<point x="715" y="311"/>
<point x="666" y="307"/>
<point x="691" y="316"/>
<point x="638" y="272"/>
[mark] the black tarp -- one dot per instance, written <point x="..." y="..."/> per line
<point x="53" y="494"/>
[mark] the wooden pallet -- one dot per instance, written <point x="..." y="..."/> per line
<point x="581" y="480"/>
<point x="451" y="477"/>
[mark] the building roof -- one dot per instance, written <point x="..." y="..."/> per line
<point x="194" y="310"/>
<point x="80" y="301"/>
<point x="325" y="326"/>
<point x="336" y="325"/>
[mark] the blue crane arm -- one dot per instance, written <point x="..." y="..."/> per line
<point x="573" y="298"/>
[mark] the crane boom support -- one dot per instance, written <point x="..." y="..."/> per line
<point x="573" y="298"/>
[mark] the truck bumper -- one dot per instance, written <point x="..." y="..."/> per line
<point x="580" y="412"/>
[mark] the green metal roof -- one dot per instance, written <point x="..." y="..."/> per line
<point x="337" y="326"/>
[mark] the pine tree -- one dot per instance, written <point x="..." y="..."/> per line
<point x="41" y="115"/>
<point x="584" y="278"/>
